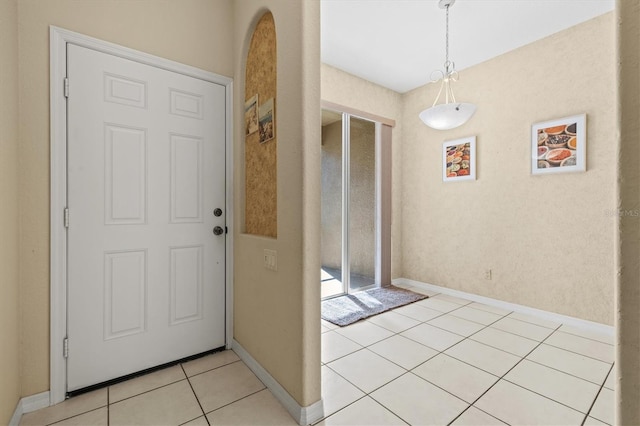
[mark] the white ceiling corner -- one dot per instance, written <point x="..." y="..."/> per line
<point x="398" y="43"/>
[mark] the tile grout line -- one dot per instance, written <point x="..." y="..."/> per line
<point x="502" y="377"/>
<point x="499" y="378"/>
<point x="596" y="398"/>
<point x="568" y="374"/>
<point x="530" y="390"/>
<point x="195" y="394"/>
<point x="239" y="399"/>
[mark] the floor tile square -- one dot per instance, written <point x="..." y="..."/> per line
<point x="99" y="417"/>
<point x="366" y="370"/>
<point x="417" y="312"/>
<point x="569" y="390"/>
<point x="521" y="328"/>
<point x="169" y="405"/>
<point x="393" y="321"/>
<point x="525" y="407"/>
<point x="335" y="345"/>
<point x="337" y="392"/>
<point x="578" y="365"/>
<point x="456" y="325"/>
<point x="69" y="408"/>
<point x="456" y="377"/>
<point x="365" y="411"/>
<point x="475" y="417"/>
<point x="209" y="362"/>
<point x="200" y="421"/>
<point x="422" y="290"/>
<point x="590" y="421"/>
<point x="489" y="308"/>
<point x="505" y="341"/>
<point x="145" y="383"/>
<point x="329" y="325"/>
<point x="591" y="348"/>
<point x="414" y="400"/>
<point x="224" y="385"/>
<point x="534" y="320"/>
<point x="438" y="304"/>
<point x="604" y="408"/>
<point x="452" y="299"/>
<point x="402" y="351"/>
<point x="364" y="333"/>
<point x="476" y="315"/>
<point x="324" y="329"/>
<point x="610" y="383"/>
<point x="609" y="339"/>
<point x="484" y="357"/>
<point x="261" y="408"/>
<point x="431" y="336"/>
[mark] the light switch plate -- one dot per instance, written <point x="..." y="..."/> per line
<point x="271" y="259"/>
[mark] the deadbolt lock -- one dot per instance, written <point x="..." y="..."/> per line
<point x="217" y="212"/>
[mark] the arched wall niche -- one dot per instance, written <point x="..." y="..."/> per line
<point x="261" y="140"/>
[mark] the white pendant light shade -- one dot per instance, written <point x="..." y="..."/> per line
<point x="447" y="116"/>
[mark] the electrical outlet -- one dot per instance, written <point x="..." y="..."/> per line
<point x="487" y="274"/>
<point x="271" y="259"/>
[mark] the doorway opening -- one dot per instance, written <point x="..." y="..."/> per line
<point x="353" y="203"/>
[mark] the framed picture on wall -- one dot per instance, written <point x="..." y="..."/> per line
<point x="459" y="159"/>
<point x="267" y="125"/>
<point x="559" y="146"/>
<point x="251" y="115"/>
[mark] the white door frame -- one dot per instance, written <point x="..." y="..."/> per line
<point x="58" y="249"/>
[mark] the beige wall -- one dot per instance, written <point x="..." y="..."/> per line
<point x="194" y="32"/>
<point x="9" y="301"/>
<point x="348" y="90"/>
<point x="277" y="313"/>
<point x="362" y="201"/>
<point x="547" y="239"/>
<point x="628" y="241"/>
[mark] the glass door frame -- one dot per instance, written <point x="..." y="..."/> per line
<point x="383" y="131"/>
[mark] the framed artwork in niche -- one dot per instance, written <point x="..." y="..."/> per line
<point x="267" y="121"/>
<point x="251" y="115"/>
<point x="459" y="159"/>
<point x="559" y="146"/>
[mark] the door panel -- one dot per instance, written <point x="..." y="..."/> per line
<point x="146" y="169"/>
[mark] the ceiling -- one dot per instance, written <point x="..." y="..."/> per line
<point x="398" y="43"/>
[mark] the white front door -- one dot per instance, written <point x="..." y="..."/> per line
<point x="146" y="171"/>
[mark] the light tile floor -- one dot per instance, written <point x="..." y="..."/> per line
<point x="216" y="389"/>
<point x="446" y="360"/>
<point x="440" y="361"/>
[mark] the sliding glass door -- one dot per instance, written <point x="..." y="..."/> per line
<point x="349" y="204"/>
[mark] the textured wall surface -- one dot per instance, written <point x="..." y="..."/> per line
<point x="159" y="27"/>
<point x="9" y="301"/>
<point x="348" y="90"/>
<point x="628" y="259"/>
<point x="363" y="196"/>
<point x="261" y="159"/>
<point x="548" y="239"/>
<point x="277" y="313"/>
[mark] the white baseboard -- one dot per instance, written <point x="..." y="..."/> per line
<point x="551" y="316"/>
<point x="303" y="415"/>
<point x="29" y="404"/>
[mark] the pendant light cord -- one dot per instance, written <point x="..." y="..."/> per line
<point x="446" y="58"/>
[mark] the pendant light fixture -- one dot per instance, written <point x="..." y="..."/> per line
<point x="451" y="113"/>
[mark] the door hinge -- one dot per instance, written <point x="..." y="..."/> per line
<point x="66" y="87"/>
<point x="66" y="217"/>
<point x="65" y="347"/>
